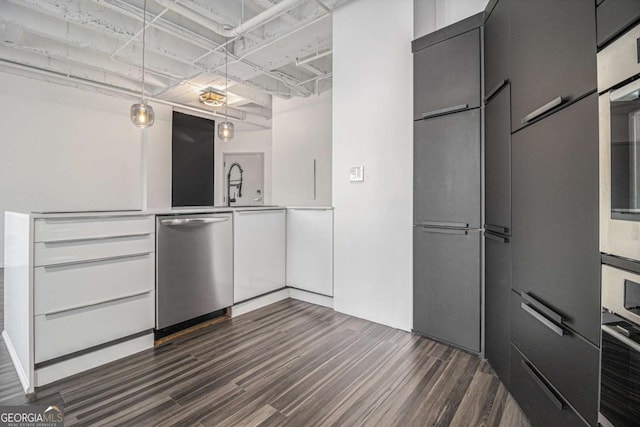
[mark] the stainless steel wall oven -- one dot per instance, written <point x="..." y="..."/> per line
<point x="620" y="347"/>
<point x="619" y="103"/>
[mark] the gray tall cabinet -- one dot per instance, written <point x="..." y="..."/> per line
<point x="539" y="229"/>
<point x="448" y="185"/>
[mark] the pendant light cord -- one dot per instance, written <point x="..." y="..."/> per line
<point x="144" y="28"/>
<point x="226" y="78"/>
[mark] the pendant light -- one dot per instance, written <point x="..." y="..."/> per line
<point x="141" y="113"/>
<point x="225" y="129"/>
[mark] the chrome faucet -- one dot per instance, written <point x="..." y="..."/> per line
<point x="235" y="183"/>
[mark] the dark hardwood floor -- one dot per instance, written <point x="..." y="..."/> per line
<point x="290" y="363"/>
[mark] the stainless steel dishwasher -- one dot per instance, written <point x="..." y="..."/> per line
<point x="194" y="268"/>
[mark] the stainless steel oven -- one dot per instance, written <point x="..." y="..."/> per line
<point x="620" y="348"/>
<point x="619" y="103"/>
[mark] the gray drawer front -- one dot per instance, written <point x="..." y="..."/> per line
<point x="569" y="362"/>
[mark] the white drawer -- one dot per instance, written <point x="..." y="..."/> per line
<point x="67" y="286"/>
<point x="57" y="229"/>
<point x="74" y="330"/>
<point x="51" y="253"/>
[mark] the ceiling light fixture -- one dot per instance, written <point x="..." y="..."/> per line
<point x="142" y="114"/>
<point x="212" y="97"/>
<point x="225" y="129"/>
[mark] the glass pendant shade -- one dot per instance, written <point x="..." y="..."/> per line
<point x="142" y="115"/>
<point x="225" y="131"/>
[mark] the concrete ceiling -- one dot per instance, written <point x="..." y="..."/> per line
<point x="275" y="48"/>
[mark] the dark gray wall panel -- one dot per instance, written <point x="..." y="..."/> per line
<point x="192" y="160"/>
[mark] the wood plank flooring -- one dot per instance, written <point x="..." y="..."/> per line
<point x="290" y="364"/>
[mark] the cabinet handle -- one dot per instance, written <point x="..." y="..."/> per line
<point x="315" y="187"/>
<point x="536" y="379"/>
<point x="495" y="90"/>
<point x="630" y="342"/>
<point x="444" y="231"/>
<point x="540" y="318"/>
<point x="540" y="111"/>
<point x="64" y="311"/>
<point x="496" y="228"/>
<point x="541" y="307"/>
<point x="444" y="224"/>
<point x="442" y="111"/>
<point x="496" y="238"/>
<point x="193" y="221"/>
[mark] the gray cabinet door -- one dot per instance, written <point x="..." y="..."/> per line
<point x="496" y="47"/>
<point x="497" y="302"/>
<point x="447" y="184"/>
<point x="498" y="162"/>
<point x="447" y="74"/>
<point x="614" y="16"/>
<point x="553" y="53"/>
<point x="555" y="240"/>
<point x="446" y="285"/>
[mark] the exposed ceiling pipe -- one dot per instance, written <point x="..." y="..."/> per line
<point x="136" y="13"/>
<point x="120" y="91"/>
<point x="313" y="57"/>
<point x="136" y="35"/>
<point x="202" y="16"/>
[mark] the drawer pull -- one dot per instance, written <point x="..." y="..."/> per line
<point x="440" y="112"/>
<point x="495" y="90"/>
<point x="540" y="111"/>
<point x="541" y="307"/>
<point x="75" y="264"/>
<point x="69" y="310"/>
<point x="550" y="394"/>
<point x="496" y="238"/>
<point x="540" y="318"/>
<point x="444" y="231"/>
<point x="444" y="224"/>
<point x="496" y="228"/>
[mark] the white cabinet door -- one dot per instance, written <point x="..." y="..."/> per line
<point x="258" y="253"/>
<point x="310" y="250"/>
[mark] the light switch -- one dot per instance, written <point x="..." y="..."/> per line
<point x="356" y="174"/>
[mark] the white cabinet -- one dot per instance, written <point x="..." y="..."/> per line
<point x="258" y="253"/>
<point x="310" y="250"/>
<point x="90" y="296"/>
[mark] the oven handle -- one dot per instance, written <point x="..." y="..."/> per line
<point x="620" y="337"/>
<point x="620" y="93"/>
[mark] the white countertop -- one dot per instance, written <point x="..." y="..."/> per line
<point x="170" y="211"/>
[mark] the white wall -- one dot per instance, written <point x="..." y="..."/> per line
<point x="302" y="133"/>
<point x="69" y="149"/>
<point x="431" y="15"/>
<point x="372" y="126"/>
<point x="245" y="141"/>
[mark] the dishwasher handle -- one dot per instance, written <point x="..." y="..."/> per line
<point x="192" y="221"/>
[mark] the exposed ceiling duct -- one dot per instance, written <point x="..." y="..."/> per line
<point x="275" y="48"/>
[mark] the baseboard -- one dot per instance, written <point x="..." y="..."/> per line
<point x="259" y="302"/>
<point x="67" y="368"/>
<point x="311" y="297"/>
<point x="24" y="378"/>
